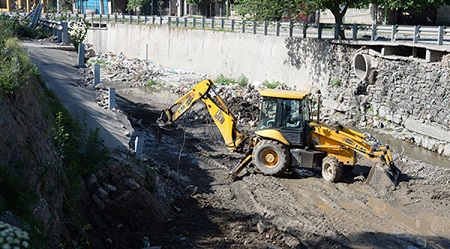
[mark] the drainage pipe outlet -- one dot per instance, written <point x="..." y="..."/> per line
<point x="362" y="64"/>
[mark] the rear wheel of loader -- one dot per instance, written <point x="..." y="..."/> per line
<point x="331" y="170"/>
<point x="271" y="157"/>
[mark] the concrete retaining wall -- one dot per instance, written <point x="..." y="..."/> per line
<point x="258" y="57"/>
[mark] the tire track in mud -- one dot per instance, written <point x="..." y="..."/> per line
<point x="317" y="213"/>
<point x="269" y="198"/>
<point x="310" y="209"/>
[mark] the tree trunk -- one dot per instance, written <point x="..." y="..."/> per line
<point x="338" y="17"/>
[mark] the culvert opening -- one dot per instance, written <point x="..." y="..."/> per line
<point x="362" y="64"/>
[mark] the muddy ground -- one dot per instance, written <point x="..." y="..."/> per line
<point x="296" y="210"/>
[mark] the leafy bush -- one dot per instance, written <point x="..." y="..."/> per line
<point x="242" y="80"/>
<point x="223" y="80"/>
<point x="78" y="32"/>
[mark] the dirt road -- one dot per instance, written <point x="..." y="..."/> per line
<point x="297" y="210"/>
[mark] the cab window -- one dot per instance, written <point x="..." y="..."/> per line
<point x="268" y="113"/>
<point x="291" y="114"/>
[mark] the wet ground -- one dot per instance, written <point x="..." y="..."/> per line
<point x="296" y="210"/>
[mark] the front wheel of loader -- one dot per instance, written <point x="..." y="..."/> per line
<point x="331" y="170"/>
<point x="271" y="157"/>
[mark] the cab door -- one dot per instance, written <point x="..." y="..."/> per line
<point x="291" y="122"/>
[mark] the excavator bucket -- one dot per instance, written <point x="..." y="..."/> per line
<point x="165" y="118"/>
<point x="383" y="177"/>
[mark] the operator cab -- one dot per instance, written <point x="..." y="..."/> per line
<point x="285" y="111"/>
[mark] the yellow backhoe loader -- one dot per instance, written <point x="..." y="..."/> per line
<point x="288" y="137"/>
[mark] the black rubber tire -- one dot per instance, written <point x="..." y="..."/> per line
<point x="347" y="169"/>
<point x="331" y="171"/>
<point x="271" y="157"/>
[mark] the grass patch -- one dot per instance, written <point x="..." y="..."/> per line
<point x="223" y="80"/>
<point x="272" y="84"/>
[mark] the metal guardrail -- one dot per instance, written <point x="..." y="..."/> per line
<point x="417" y="34"/>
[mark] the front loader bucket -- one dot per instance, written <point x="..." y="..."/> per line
<point x="383" y="177"/>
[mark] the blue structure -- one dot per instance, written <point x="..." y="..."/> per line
<point x="95" y="6"/>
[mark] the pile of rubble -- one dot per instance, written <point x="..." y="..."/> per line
<point x="135" y="72"/>
<point x="243" y="101"/>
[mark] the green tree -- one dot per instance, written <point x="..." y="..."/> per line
<point x="202" y="5"/>
<point x="413" y="4"/>
<point x="271" y="10"/>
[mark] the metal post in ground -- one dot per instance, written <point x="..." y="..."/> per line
<point x="112" y="97"/>
<point x="96" y="74"/>
<point x="65" y="32"/>
<point x="81" y="55"/>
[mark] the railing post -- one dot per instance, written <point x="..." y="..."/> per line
<point x="336" y="31"/>
<point x="108" y="18"/>
<point x="416" y="34"/>
<point x="100" y="20"/>
<point x="291" y="29"/>
<point x="138" y="19"/>
<point x="194" y="22"/>
<point x="212" y="22"/>
<point x="232" y="25"/>
<point x="373" y="37"/>
<point x="76" y="17"/>
<point x="131" y="19"/>
<point x="243" y="26"/>
<point x="203" y="22"/>
<point x="177" y="21"/>
<point x="92" y="19"/>
<point x="169" y="19"/>
<point x="153" y="19"/>
<point x="355" y="31"/>
<point x="123" y="19"/>
<point x="145" y="19"/>
<point x="440" y="39"/>
<point x="160" y="20"/>
<point x="81" y="55"/>
<point x="115" y="17"/>
<point x="304" y="27"/>
<point x="277" y="32"/>
<point x="319" y="31"/>
<point x="393" y="32"/>
<point x="222" y="23"/>
<point x="265" y="27"/>
<point x="185" y="22"/>
<point x="254" y="27"/>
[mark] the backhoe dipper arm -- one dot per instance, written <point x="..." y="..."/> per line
<point x="217" y="109"/>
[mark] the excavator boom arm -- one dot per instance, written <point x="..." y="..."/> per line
<point x="216" y="107"/>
